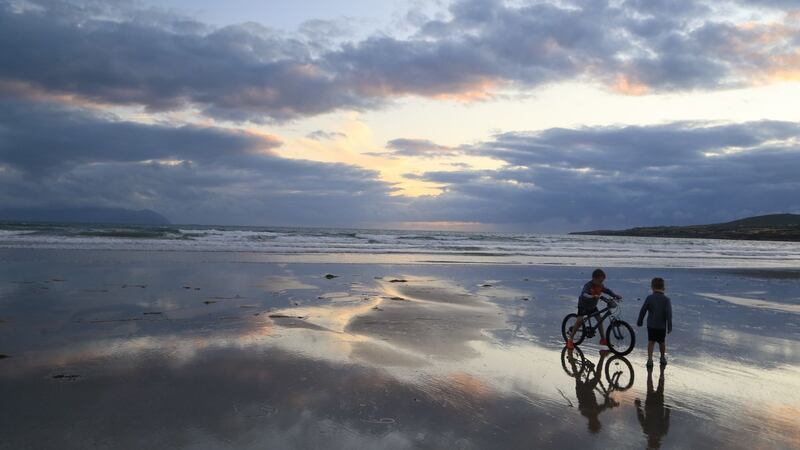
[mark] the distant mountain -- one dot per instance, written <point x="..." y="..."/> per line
<point x="84" y="215"/>
<point x="772" y="227"/>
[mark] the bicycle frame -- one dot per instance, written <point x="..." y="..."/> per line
<point x="598" y="319"/>
<point x="606" y="312"/>
<point x="618" y="330"/>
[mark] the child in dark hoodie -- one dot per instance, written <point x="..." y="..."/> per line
<point x="658" y="308"/>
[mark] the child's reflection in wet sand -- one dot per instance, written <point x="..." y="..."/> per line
<point x="654" y="418"/>
<point x="584" y="391"/>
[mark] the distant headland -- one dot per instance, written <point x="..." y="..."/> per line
<point x="771" y="227"/>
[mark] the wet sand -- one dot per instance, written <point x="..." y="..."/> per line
<point x="113" y="349"/>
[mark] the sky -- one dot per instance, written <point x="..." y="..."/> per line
<point x="524" y="116"/>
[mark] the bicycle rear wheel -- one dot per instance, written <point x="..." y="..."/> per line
<point x="620" y="336"/>
<point x="572" y="362"/>
<point x="568" y="324"/>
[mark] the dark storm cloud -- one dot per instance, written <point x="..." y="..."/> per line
<point x="626" y="176"/>
<point x="57" y="156"/>
<point x="235" y="72"/>
<point x="114" y="53"/>
<point x="40" y="137"/>
<point x="606" y="148"/>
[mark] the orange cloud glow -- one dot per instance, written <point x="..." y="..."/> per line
<point x="784" y="68"/>
<point x="624" y="85"/>
<point x="355" y="143"/>
<point x="271" y="141"/>
<point x="771" y="43"/>
<point x="466" y="91"/>
<point x="473" y="92"/>
<point x="28" y="91"/>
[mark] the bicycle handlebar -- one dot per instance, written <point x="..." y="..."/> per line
<point x="612" y="303"/>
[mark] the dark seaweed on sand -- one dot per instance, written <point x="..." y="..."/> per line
<point x="64" y="376"/>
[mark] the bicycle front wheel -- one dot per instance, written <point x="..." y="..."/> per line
<point x="620" y="336"/>
<point x="568" y="324"/>
<point x="619" y="373"/>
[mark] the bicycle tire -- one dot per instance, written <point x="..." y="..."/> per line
<point x="616" y="338"/>
<point x="580" y="334"/>
<point x="580" y="361"/>
<point x="626" y="365"/>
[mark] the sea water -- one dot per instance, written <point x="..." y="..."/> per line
<point x="398" y="246"/>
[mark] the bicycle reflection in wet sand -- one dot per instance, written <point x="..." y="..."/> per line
<point x="654" y="418"/>
<point x="588" y="379"/>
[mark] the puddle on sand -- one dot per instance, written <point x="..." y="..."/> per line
<point x="429" y="363"/>
<point x="753" y="303"/>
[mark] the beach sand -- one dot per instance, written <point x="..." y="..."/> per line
<point x="121" y="349"/>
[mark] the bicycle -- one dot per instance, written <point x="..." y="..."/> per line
<point x="619" y="334"/>
<point x="618" y="370"/>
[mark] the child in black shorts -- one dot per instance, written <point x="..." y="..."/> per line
<point x="658" y="308"/>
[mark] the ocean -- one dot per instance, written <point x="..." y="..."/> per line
<point x="261" y="337"/>
<point x="283" y="244"/>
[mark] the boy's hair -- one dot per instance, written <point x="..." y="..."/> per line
<point x="598" y="273"/>
<point x="657" y="284"/>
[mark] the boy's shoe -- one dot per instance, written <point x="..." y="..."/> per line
<point x="649" y="363"/>
<point x="663" y="360"/>
<point x="570" y="344"/>
<point x="604" y="352"/>
<point x="603" y="342"/>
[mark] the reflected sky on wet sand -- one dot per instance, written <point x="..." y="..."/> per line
<point x="148" y="350"/>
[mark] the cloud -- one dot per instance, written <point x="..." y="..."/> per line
<point x="62" y="56"/>
<point x="165" y="62"/>
<point x="51" y="155"/>
<point x="609" y="148"/>
<point x="114" y="53"/>
<point x="625" y="176"/>
<point x="553" y="180"/>
<point x="39" y="137"/>
<point x="422" y="148"/>
<point x="322" y="135"/>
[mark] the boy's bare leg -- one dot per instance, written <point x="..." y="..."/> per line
<point x="650" y="345"/>
<point x="578" y="323"/>
<point x="602" y="332"/>
<point x="663" y="347"/>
